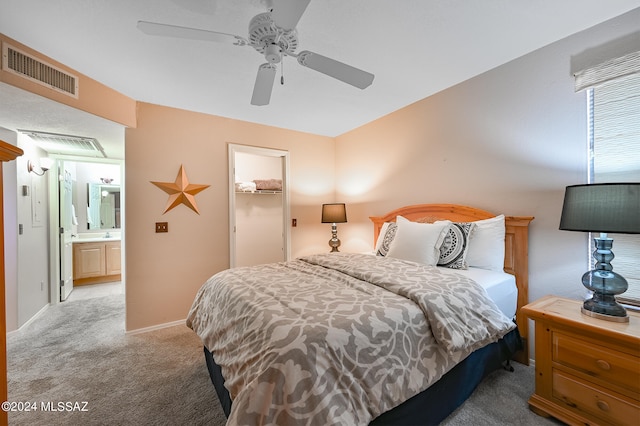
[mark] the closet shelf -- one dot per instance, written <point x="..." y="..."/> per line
<point x="259" y="191"/>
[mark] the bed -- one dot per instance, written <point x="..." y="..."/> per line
<point x="348" y="338"/>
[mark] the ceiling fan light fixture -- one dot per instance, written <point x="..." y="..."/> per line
<point x="273" y="53"/>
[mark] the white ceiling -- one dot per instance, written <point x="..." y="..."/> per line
<point x="415" y="48"/>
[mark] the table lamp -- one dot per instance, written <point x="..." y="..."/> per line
<point x="333" y="214"/>
<point x="603" y="208"/>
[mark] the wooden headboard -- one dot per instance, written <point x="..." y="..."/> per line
<point x="516" y="255"/>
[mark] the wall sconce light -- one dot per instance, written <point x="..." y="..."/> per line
<point x="333" y="214"/>
<point x="45" y="164"/>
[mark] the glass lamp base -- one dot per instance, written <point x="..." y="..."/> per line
<point x="605" y="285"/>
<point x="605" y="317"/>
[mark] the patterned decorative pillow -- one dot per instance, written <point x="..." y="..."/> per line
<point x="386" y="236"/>
<point x="453" y="252"/>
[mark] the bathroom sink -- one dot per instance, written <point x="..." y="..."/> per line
<point x="87" y="237"/>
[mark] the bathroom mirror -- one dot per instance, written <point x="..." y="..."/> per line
<point x="104" y="206"/>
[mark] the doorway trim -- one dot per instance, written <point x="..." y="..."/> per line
<point x="268" y="152"/>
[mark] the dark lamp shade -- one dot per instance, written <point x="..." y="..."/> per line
<point x="606" y="207"/>
<point x="334" y="213"/>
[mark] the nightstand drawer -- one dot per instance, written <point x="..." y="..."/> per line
<point x="614" y="367"/>
<point x="585" y="397"/>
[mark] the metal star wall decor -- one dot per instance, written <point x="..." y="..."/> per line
<point x="181" y="191"/>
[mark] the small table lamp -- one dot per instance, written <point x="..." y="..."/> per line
<point x="607" y="207"/>
<point x="334" y="213"/>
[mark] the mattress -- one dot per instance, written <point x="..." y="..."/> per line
<point x="500" y="286"/>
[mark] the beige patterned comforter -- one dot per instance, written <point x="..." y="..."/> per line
<point x="338" y="338"/>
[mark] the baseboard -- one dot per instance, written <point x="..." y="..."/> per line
<point x="30" y="320"/>
<point x="156" y="327"/>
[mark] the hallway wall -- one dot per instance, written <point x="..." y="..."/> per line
<point x="10" y="189"/>
<point x="26" y="254"/>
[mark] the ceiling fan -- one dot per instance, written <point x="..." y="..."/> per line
<point x="274" y="35"/>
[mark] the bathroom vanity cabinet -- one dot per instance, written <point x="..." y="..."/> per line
<point x="96" y="262"/>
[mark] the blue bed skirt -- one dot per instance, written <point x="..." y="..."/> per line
<point x="431" y="406"/>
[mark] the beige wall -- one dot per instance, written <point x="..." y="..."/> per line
<point x="164" y="271"/>
<point x="507" y="141"/>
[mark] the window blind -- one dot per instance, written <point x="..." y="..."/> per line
<point x="607" y="71"/>
<point x="614" y="121"/>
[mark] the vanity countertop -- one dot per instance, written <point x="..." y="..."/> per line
<point x="95" y="237"/>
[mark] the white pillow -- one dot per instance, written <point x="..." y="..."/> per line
<point x="486" y="247"/>
<point x="418" y="242"/>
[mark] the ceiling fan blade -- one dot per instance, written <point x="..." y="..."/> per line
<point x="264" y="85"/>
<point x="343" y="72"/>
<point x="287" y="13"/>
<point x="166" y="30"/>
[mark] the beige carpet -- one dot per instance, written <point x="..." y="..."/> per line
<point x="77" y="352"/>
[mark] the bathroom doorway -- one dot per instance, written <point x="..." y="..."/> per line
<point x="89" y="199"/>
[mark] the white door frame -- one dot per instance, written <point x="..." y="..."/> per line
<point x="269" y="152"/>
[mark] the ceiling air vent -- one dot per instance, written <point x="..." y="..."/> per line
<point x="55" y="143"/>
<point x="33" y="69"/>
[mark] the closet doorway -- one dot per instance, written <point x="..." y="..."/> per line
<point x="259" y="212"/>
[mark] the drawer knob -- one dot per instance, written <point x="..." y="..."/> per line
<point x="604" y="365"/>
<point x="603" y="405"/>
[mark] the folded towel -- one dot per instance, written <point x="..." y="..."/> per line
<point x="245" y="186"/>
<point x="269" y="184"/>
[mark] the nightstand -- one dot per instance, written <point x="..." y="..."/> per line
<point x="587" y="369"/>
